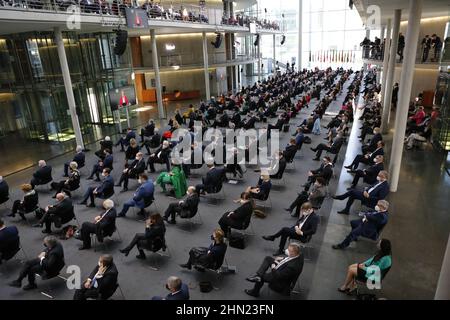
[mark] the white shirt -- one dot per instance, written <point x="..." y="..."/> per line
<point x="374" y="187"/>
<point x="285" y="260"/>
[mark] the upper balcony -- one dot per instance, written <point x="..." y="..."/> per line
<point x="104" y="15"/>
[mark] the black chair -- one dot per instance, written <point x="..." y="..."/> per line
<point x="158" y="247"/>
<point x="148" y="201"/>
<point x="361" y="287"/>
<point x="106" y="297"/>
<point x="107" y="234"/>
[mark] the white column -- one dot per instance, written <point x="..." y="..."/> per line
<point x="383" y="28"/>
<point x="386" y="58"/>
<point x="406" y="80"/>
<point x="159" y="97"/>
<point x="259" y="57"/>
<point x="387" y="98"/>
<point x="68" y="86"/>
<point x="368" y="37"/>
<point x="274" y="50"/>
<point x="206" y="66"/>
<point x="300" y="34"/>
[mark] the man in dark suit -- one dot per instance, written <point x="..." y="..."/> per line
<point x="280" y="166"/>
<point x="4" y="190"/>
<point x="250" y="123"/>
<point x="9" y="241"/>
<point x="325" y="171"/>
<point x="369" y="225"/>
<point x="178" y="290"/>
<point x="366" y="158"/>
<point x="48" y="264"/>
<point x="303" y="230"/>
<point x="43" y="175"/>
<point x="299" y="138"/>
<point x="59" y="213"/>
<point x="103" y="225"/>
<point x="132" y="171"/>
<point x="279" y="272"/>
<point x="79" y="158"/>
<point x="104" y="144"/>
<point x="148" y="130"/>
<point x="161" y="155"/>
<point x="239" y="218"/>
<point x="107" y="162"/>
<point x="373" y="143"/>
<point x="369" y="196"/>
<point x="186" y="208"/>
<point x="331" y="148"/>
<point x="125" y="141"/>
<point x="213" y="180"/>
<point x="142" y="198"/>
<point x="102" y="282"/>
<point x="290" y="150"/>
<point x="370" y="174"/>
<point x="153" y="142"/>
<point x="103" y="191"/>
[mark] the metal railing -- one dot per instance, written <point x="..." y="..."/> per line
<point x="424" y="55"/>
<point x="245" y="21"/>
<point x="190" y="59"/>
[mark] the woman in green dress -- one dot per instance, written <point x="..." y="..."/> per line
<point x="176" y="178"/>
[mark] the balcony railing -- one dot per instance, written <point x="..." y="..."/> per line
<point x="245" y="21"/>
<point x="423" y="55"/>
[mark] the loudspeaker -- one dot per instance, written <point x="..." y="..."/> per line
<point x="121" y="42"/>
<point x="218" y="41"/>
<point x="256" y="43"/>
<point x="283" y="39"/>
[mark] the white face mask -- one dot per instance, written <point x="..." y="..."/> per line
<point x="378" y="179"/>
<point x="375" y="160"/>
<point x="103" y="175"/>
<point x="140" y="181"/>
<point x="377" y="208"/>
<point x="286" y="252"/>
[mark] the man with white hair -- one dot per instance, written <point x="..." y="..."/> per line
<point x="103" y="225"/>
<point x="59" y="213"/>
<point x="43" y="175"/>
<point x="178" y="290"/>
<point x="153" y="142"/>
<point x="104" y="144"/>
<point x="4" y="190"/>
<point x="79" y="158"/>
<point x="161" y="155"/>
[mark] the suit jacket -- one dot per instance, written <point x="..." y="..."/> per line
<point x="216" y="255"/>
<point x="43" y="174"/>
<point x="282" y="163"/>
<point x="106" y="145"/>
<point x="337" y="144"/>
<point x="189" y="207"/>
<point x="155" y="140"/>
<point x="376" y="152"/>
<point x="107" y="284"/>
<point x="53" y="261"/>
<point x="163" y="153"/>
<point x="4" y="191"/>
<point x="149" y="130"/>
<point x="107" y="225"/>
<point x="9" y="241"/>
<point x="182" y="294"/>
<point x="136" y="167"/>
<point x="243" y="214"/>
<point x="374" y="141"/>
<point x="155" y="236"/>
<point x="264" y="189"/>
<point x="108" y="161"/>
<point x="144" y="194"/>
<point x="372" y="173"/>
<point x="289" y="152"/>
<point x="325" y="172"/>
<point x="73" y="182"/>
<point x="281" y="279"/>
<point x="106" y="189"/>
<point x="213" y="179"/>
<point x="63" y="210"/>
<point x="309" y="227"/>
<point x="80" y="159"/>
<point x="374" y="224"/>
<point x="30" y="201"/>
<point x="379" y="193"/>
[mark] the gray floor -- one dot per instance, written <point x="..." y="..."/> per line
<point x="418" y="229"/>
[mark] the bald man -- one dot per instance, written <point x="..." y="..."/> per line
<point x="59" y="213"/>
<point x="43" y="175"/>
<point x="186" y="208"/>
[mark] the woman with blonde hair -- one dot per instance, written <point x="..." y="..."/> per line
<point x="132" y="150"/>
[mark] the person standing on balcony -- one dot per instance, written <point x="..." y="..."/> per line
<point x="401" y="45"/>
<point x="426" y="46"/>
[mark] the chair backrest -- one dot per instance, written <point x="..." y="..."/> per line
<point x="148" y="201"/>
<point x="109" y="294"/>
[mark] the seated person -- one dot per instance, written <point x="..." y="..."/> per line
<point x="148" y="130"/>
<point x="161" y="155"/>
<point x="132" y="171"/>
<point x="125" y="140"/>
<point x="4" y="190"/>
<point x="372" y="145"/>
<point x="262" y="189"/>
<point x="79" y="158"/>
<point x="104" y="225"/>
<point x="186" y="208"/>
<point x="369" y="196"/>
<point x="142" y="198"/>
<point x="277" y="171"/>
<point x="104" y="144"/>
<point x="132" y="150"/>
<point x="315" y="197"/>
<point x="223" y="121"/>
<point x="102" y="282"/>
<point x="370" y="174"/>
<point x="178" y="290"/>
<point x="366" y="158"/>
<point x="368" y="270"/>
<point x="369" y="226"/>
<point x="153" y="142"/>
<point x="290" y="150"/>
<point x="153" y="239"/>
<point x="27" y="204"/>
<point x="43" y="175"/>
<point x="9" y="241"/>
<point x="60" y="213"/>
<point x="208" y="258"/>
<point x="325" y="171"/>
<point x="239" y="218"/>
<point x="233" y="166"/>
<point x="303" y="230"/>
<point x="212" y="183"/>
<point x="279" y="272"/>
<point x="299" y="138"/>
<point x="70" y="184"/>
<point x="106" y="163"/>
<point x="176" y="178"/>
<point x="195" y="161"/>
<point x="417" y="136"/>
<point x="331" y="148"/>
<point x="48" y="264"/>
<point x="103" y="191"/>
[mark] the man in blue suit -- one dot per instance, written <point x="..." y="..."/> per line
<point x="79" y="158"/>
<point x="369" y="196"/>
<point x="368" y="226"/>
<point x="107" y="162"/>
<point x="9" y="241"/>
<point x="178" y="290"/>
<point x="143" y="197"/>
<point x="103" y="191"/>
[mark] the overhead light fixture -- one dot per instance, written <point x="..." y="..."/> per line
<point x="170" y="46"/>
<point x="176" y="67"/>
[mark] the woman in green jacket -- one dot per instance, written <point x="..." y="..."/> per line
<point x="368" y="269"/>
<point x="176" y="178"/>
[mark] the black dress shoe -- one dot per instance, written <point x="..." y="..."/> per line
<point x="141" y="257"/>
<point x="30" y="286"/>
<point x="268" y="238"/>
<point x="125" y="252"/>
<point x="171" y="222"/>
<point x="348" y="167"/>
<point x="91" y="205"/>
<point x="84" y="248"/>
<point x="46" y="231"/>
<point x="15" y="284"/>
<point x="83" y="203"/>
<point x="186" y="266"/>
<point x="124" y="190"/>
<point x="316" y="159"/>
<point x="254" y="278"/>
<point x="37" y="225"/>
<point x="288" y="210"/>
<point x="343" y="212"/>
<point x="337" y="247"/>
<point x="314" y="150"/>
<point x="251" y="293"/>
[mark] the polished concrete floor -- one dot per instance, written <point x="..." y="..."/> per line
<point x="418" y="229"/>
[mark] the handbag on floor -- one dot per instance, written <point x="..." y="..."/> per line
<point x="237" y="240"/>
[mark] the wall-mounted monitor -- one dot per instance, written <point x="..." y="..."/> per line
<point x="122" y="97"/>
